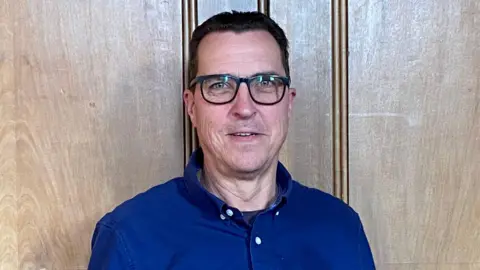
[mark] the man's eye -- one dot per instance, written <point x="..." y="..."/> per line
<point x="219" y="85"/>
<point x="266" y="83"/>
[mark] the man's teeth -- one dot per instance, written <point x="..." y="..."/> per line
<point x="243" y="134"/>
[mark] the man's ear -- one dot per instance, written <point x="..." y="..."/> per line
<point x="189" y="101"/>
<point x="292" y="92"/>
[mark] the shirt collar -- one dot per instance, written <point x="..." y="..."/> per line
<point x="205" y="199"/>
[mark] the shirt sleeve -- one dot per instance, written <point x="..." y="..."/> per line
<point x="364" y="251"/>
<point x="109" y="250"/>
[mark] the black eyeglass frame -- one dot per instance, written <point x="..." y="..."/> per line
<point x="238" y="80"/>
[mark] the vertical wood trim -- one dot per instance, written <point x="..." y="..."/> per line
<point x="264" y="7"/>
<point x="340" y="98"/>
<point x="189" y="22"/>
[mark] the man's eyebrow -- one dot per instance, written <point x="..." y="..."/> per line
<point x="266" y="73"/>
<point x="256" y="74"/>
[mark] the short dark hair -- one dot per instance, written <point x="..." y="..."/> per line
<point x="237" y="22"/>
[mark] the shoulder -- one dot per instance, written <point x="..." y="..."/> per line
<point x="117" y="234"/>
<point x="157" y="199"/>
<point x="330" y="221"/>
<point x="322" y="206"/>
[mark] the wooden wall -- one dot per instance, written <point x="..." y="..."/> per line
<point x="414" y="98"/>
<point x="386" y="117"/>
<point x="90" y="106"/>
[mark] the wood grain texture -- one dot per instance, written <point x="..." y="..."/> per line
<point x="308" y="149"/>
<point x="340" y="98"/>
<point x="98" y="118"/>
<point x="189" y="22"/>
<point x="415" y="130"/>
<point x="207" y="8"/>
<point x="263" y="6"/>
<point x="8" y="176"/>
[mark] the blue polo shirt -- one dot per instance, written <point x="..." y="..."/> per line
<point x="179" y="225"/>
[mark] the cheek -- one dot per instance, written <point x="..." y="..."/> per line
<point x="277" y="119"/>
<point x="209" y="124"/>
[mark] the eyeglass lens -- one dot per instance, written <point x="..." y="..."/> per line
<point x="264" y="88"/>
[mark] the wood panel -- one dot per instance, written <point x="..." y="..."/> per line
<point x="415" y="130"/>
<point x="340" y="98"/>
<point x="207" y="8"/>
<point x="189" y="23"/>
<point x="308" y="149"/>
<point x="8" y="177"/>
<point x="98" y="118"/>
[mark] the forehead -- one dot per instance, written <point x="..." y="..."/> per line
<point x="241" y="54"/>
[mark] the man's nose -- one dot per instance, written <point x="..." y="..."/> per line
<point x="243" y="105"/>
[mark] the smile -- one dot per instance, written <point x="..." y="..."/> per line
<point x="244" y="134"/>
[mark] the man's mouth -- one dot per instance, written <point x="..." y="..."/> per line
<point x="244" y="134"/>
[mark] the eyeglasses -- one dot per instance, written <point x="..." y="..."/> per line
<point x="264" y="89"/>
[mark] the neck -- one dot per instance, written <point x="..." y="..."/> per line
<point x="247" y="193"/>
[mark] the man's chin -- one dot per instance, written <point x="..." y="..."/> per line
<point x="248" y="165"/>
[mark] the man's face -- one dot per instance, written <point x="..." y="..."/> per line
<point x="219" y="127"/>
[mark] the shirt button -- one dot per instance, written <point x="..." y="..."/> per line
<point x="258" y="240"/>
<point x="277" y="213"/>
<point x="229" y="212"/>
<point x="222" y="217"/>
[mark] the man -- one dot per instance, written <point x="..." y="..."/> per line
<point x="236" y="206"/>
